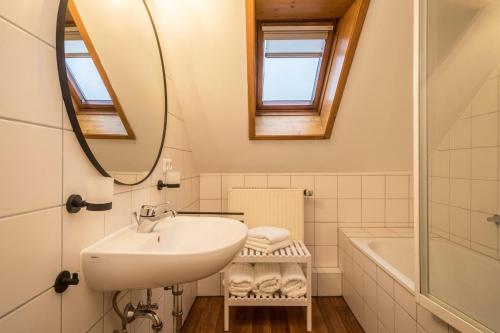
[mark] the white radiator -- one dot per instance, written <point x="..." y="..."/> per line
<point x="271" y="207"/>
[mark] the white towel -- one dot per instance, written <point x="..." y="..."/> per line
<point x="293" y="280"/>
<point x="241" y="278"/>
<point x="267" y="278"/>
<point x="267" y="248"/>
<point x="268" y="235"/>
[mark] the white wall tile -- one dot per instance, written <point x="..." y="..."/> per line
<point x="396" y="187"/>
<point x="373" y="210"/>
<point x="210" y="205"/>
<point x="79" y="231"/>
<point x="325" y="233"/>
<point x="34" y="95"/>
<point x="370" y="320"/>
<point x="325" y="210"/>
<point x="31" y="168"/>
<point x="460" y="192"/>
<point x="81" y="307"/>
<point x="308" y="209"/>
<point x="22" y="238"/>
<point x="210" y="286"/>
<point x="325" y="186"/>
<point x="349" y="187"/>
<point x="98" y="327"/>
<point x="305" y="182"/>
<point x="309" y="233"/>
<point x="385" y="309"/>
<point x="396" y="210"/>
<point x="406" y="300"/>
<point x="329" y="284"/>
<point x="440" y="164"/>
<point x="231" y="181"/>
<point x="385" y="281"/>
<point x="440" y="190"/>
<point x="42" y="314"/>
<point x="460" y="222"/>
<point x="440" y="217"/>
<point x="484" y="196"/>
<point x="325" y="256"/>
<point x="484" y="163"/>
<point x="22" y="13"/>
<point x="256" y="181"/>
<point x="403" y="322"/>
<point x="121" y="214"/>
<point x="460" y="134"/>
<point x="370" y="294"/>
<point x="460" y="163"/>
<point x="75" y="159"/>
<point x="373" y="187"/>
<point x="484" y="130"/>
<point x="278" y="181"/>
<point x="349" y="210"/>
<point x="210" y="187"/>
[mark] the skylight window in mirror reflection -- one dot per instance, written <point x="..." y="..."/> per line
<point x="291" y="64"/>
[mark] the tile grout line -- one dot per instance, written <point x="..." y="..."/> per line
<point x="28" y="122"/>
<point x="26" y="31"/>
<point x="18" y="307"/>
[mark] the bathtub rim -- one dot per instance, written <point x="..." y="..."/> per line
<point x="361" y="243"/>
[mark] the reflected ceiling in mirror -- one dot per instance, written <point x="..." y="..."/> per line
<point x="113" y="84"/>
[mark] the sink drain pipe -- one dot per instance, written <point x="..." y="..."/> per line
<point x="177" y="292"/>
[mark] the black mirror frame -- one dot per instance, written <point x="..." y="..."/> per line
<point x="63" y="80"/>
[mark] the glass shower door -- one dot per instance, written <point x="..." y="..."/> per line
<point x="459" y="158"/>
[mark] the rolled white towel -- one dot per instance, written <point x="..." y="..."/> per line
<point x="293" y="280"/>
<point x="268" y="235"/>
<point x="241" y="279"/>
<point x="267" y="278"/>
<point x="267" y="248"/>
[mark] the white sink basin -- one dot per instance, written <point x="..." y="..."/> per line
<point x="179" y="250"/>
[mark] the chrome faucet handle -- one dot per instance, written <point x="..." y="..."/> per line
<point x="148" y="211"/>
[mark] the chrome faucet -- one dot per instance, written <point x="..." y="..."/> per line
<point x="149" y="217"/>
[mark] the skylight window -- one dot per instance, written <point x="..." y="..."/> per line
<point x="292" y="66"/>
<point x="84" y="74"/>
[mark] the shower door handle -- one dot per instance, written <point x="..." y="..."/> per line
<point x="494" y="219"/>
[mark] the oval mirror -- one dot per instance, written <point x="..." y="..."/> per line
<point x="113" y="84"/>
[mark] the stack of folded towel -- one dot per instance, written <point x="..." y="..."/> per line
<point x="267" y="239"/>
<point x="293" y="281"/>
<point x="264" y="279"/>
<point x="267" y="279"/>
<point x="240" y="279"/>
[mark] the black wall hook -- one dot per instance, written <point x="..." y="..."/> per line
<point x="64" y="280"/>
<point x="160" y="185"/>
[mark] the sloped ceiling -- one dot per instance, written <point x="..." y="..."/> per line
<point x="205" y="49"/>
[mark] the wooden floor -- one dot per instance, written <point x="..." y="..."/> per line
<point x="330" y="315"/>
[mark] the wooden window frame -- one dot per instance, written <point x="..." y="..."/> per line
<point x="292" y="108"/>
<point x="96" y="108"/>
<point x="306" y="126"/>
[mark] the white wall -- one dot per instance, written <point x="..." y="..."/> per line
<point x="41" y="164"/>
<point x="206" y="56"/>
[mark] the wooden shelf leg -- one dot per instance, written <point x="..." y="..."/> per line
<point x="309" y="296"/>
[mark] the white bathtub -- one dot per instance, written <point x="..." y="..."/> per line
<point x="465" y="279"/>
<point x="395" y="255"/>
